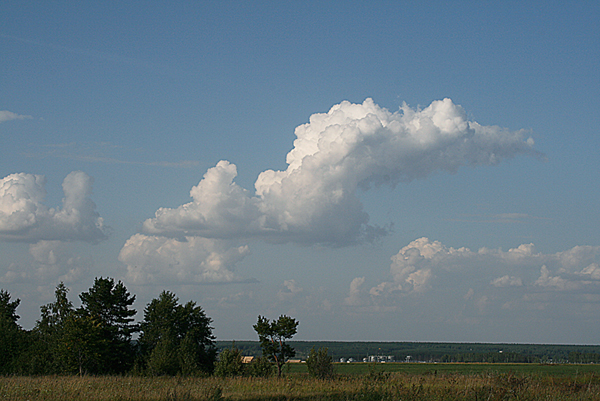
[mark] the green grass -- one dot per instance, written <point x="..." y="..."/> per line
<point x="570" y="370"/>
<point x="467" y="368"/>
<point x="353" y="382"/>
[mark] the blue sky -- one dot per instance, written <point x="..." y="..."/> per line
<point x="398" y="171"/>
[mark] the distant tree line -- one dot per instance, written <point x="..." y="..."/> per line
<point x="490" y="357"/>
<point x="100" y="337"/>
<point x="439" y="352"/>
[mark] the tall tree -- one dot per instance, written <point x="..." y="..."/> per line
<point x="176" y="339"/>
<point x="107" y="307"/>
<point x="47" y="354"/>
<point x="12" y="337"/>
<point x="273" y="336"/>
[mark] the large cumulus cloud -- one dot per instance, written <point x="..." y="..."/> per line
<point x="24" y="217"/>
<point x="351" y="147"/>
<point x="316" y="199"/>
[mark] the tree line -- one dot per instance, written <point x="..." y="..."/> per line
<point x="101" y="337"/>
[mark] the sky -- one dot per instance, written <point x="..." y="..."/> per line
<point x="380" y="171"/>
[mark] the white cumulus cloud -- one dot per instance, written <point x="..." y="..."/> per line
<point x="423" y="266"/>
<point x="193" y="260"/>
<point x="52" y="262"/>
<point x="316" y="199"/>
<point x="351" y="147"/>
<point x="23" y="216"/>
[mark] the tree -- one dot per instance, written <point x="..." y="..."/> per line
<point x="176" y="339"/>
<point x="320" y="363"/>
<point x="47" y="355"/>
<point x="8" y="309"/>
<point x="84" y="345"/>
<point x="107" y="307"/>
<point x="273" y="336"/>
<point x="12" y="336"/>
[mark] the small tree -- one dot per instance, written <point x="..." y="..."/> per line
<point x="320" y="363"/>
<point x="273" y="336"/>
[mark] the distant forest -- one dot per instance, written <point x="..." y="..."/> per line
<point x="438" y="352"/>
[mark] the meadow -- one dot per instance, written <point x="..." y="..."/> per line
<point x="352" y="382"/>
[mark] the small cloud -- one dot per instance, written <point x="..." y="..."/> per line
<point x="291" y="290"/>
<point x="546" y="280"/>
<point x="6" y="115"/>
<point x="507" y="281"/>
<point x="355" y="296"/>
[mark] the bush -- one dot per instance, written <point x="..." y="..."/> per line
<point x="229" y="363"/>
<point x="260" y="367"/>
<point x="320" y="363"/>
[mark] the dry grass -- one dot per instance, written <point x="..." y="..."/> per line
<point x="393" y="386"/>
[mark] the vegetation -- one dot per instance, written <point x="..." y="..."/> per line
<point x="230" y="363"/>
<point x="96" y="343"/>
<point x="439" y="352"/>
<point x="299" y="386"/>
<point x="176" y="339"/>
<point x="273" y="338"/>
<point x="97" y="338"/>
<point x="320" y="363"/>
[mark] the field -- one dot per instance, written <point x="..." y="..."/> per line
<point x="352" y="382"/>
<point x="555" y="370"/>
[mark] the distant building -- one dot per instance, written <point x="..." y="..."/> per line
<point x="379" y="358"/>
<point x="247" y="359"/>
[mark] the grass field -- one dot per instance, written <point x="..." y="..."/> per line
<point x="558" y="370"/>
<point x="352" y="382"/>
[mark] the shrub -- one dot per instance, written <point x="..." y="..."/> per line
<point x="260" y="367"/>
<point x="229" y="363"/>
<point x="320" y="363"/>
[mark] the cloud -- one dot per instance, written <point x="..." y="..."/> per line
<point x="427" y="267"/>
<point x="291" y="290"/>
<point x="193" y="260"/>
<point x="506" y="281"/>
<point x="23" y="216"/>
<point x="6" y="115"/>
<point x="316" y="199"/>
<point x="52" y="262"/>
<point x="355" y="296"/>
<point x="350" y="148"/>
